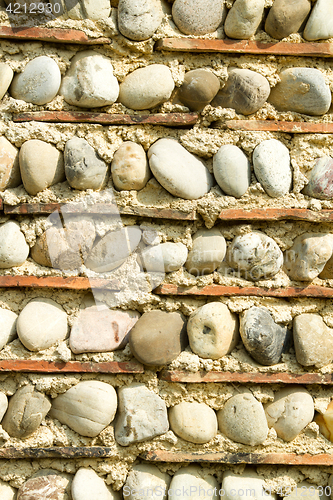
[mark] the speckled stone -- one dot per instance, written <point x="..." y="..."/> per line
<point x="193" y="422"/>
<point x="14" y="250"/>
<point x="3" y="406"/>
<point x="195" y="485"/>
<point x="129" y="167"/>
<point x="286" y="17"/>
<point x="46" y="484"/>
<point x="208" y="251"/>
<point x="290" y="412"/>
<point x="302" y="90"/>
<point x="321" y="179"/>
<point x="272" y="167"/>
<point x="146" y="482"/>
<point x="139" y="19"/>
<point x="197" y="17"/>
<point x="313" y="340"/>
<point x="164" y="258"/>
<point x="325" y="422"/>
<point x="232" y="170"/>
<point x="243" y="420"/>
<point x="244" y="18"/>
<point x="38" y="83"/>
<point x="320" y="23"/>
<point x="6" y="77"/>
<point x="200" y="86"/>
<point x="10" y="175"/>
<point x="6" y="491"/>
<point x="234" y="486"/>
<point x="7" y="327"/>
<point x="87" y="485"/>
<point x="212" y="330"/>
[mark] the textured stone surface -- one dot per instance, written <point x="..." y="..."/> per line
<point x="302" y="90"/>
<point x="243" y="420"/>
<point x="129" y="167"/>
<point x="313" y="340"/>
<point x="41" y="165"/>
<point x="232" y="170"/>
<point x="87" y="408"/>
<point x="320" y="23"/>
<point x="139" y="19"/>
<point x="46" y="484"/>
<point x="290" y="412"/>
<point x="272" y="168"/>
<point x="6" y="491"/>
<point x="3" y="406"/>
<point x="321" y="179"/>
<point x="26" y="410"/>
<point x="158" y="337"/>
<point x="212" y="330"/>
<point x="166" y="257"/>
<point x="147" y="87"/>
<point x="245" y="91"/>
<point x="244" y="18"/>
<point x="200" y="86"/>
<point x="255" y="255"/>
<point x="84" y="169"/>
<point x="142" y="415"/>
<point x="286" y="17"/>
<point x="7" y="327"/>
<point x="10" y="175"/>
<point x="6" y="77"/>
<point x="249" y="481"/>
<point x="14" y="250"/>
<point x="146" y="482"/>
<point x="197" y="17"/>
<point x="208" y="251"/>
<point x="178" y="171"/>
<point x="193" y="422"/>
<point x="89" y="82"/>
<point x="87" y="485"/>
<point x="194" y="483"/>
<point x="325" y="422"/>
<point x="264" y="339"/>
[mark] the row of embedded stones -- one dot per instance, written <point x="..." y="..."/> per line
<point x="90" y="83"/>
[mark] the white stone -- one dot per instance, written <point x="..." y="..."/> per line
<point x="234" y="486"/>
<point x="232" y="170"/>
<point x="6" y="77"/>
<point x="166" y="257"/>
<point x="146" y="482"/>
<point x="194" y="484"/>
<point x="87" y="485"/>
<point x="244" y="18"/>
<point x="10" y="175"/>
<point x="271" y="161"/>
<point x="139" y="19"/>
<point x="193" y="422"/>
<point x="7" y="327"/>
<point x="6" y="491"/>
<point x="3" y="409"/>
<point x="14" y="250"/>
<point x="320" y="23"/>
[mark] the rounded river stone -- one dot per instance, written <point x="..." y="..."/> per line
<point x="325" y="422"/>
<point x="129" y="167"/>
<point x="272" y="167"/>
<point x="10" y="175"/>
<point x="197" y="17"/>
<point x="165" y="257"/>
<point x="232" y="170"/>
<point x="200" y="86"/>
<point x="6" y="77"/>
<point x="313" y="340"/>
<point x="7" y="327"/>
<point x="234" y="486"/>
<point x="320" y="23"/>
<point x="208" y="251"/>
<point x="139" y="19"/>
<point x="195" y="484"/>
<point x="146" y="482"/>
<point x="244" y="18"/>
<point x="193" y="422"/>
<point x="14" y="250"/>
<point x="286" y="17"/>
<point x="47" y="484"/>
<point x="321" y="179"/>
<point x="6" y="491"/>
<point x="87" y="485"/>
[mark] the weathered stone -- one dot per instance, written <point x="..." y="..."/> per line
<point x="158" y="337"/>
<point x="89" y="82"/>
<point x="87" y="408"/>
<point x="234" y="486"/>
<point x="313" y="340"/>
<point x="325" y="422"/>
<point x="271" y="161"/>
<point x="138" y="20"/>
<point x="142" y="415"/>
<point x="302" y="90"/>
<point x="10" y="175"/>
<point x="3" y="407"/>
<point x="306" y="259"/>
<point x="193" y="422"/>
<point x="14" y="250"/>
<point x="244" y="18"/>
<point x="6" y="77"/>
<point x="212" y="330"/>
<point x="84" y="169"/>
<point x="87" y="485"/>
<point x="208" y="251"/>
<point x="7" y="327"/>
<point x="245" y="91"/>
<point x="232" y="170"/>
<point x="129" y="167"/>
<point x="100" y="329"/>
<point x="321" y="179"/>
<point x="47" y="484"/>
<point x="26" y="410"/>
<point x="243" y="420"/>
<point x="41" y="165"/>
<point x="200" y="86"/>
<point x="146" y="482"/>
<point x="146" y="87"/>
<point x="264" y="339"/>
<point x="197" y="17"/>
<point x="38" y="83"/>
<point x="286" y="17"/>
<point x="255" y="255"/>
<point x="320" y="23"/>
<point x="41" y="324"/>
<point x="290" y="412"/>
<point x="178" y="171"/>
<point x="6" y="491"/>
<point x="166" y="257"/>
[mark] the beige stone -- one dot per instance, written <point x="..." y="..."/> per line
<point x="129" y="167"/>
<point x="6" y="77"/>
<point x="193" y="422"/>
<point x="7" y="327"/>
<point x="146" y="482"/>
<point x="325" y="422"/>
<point x="313" y="340"/>
<point x="10" y="175"/>
<point x="208" y="251"/>
<point x="14" y="250"/>
<point x="6" y="491"/>
<point x="191" y="483"/>
<point x="87" y="485"/>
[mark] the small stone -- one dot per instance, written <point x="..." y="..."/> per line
<point x="197" y="17"/>
<point x="142" y="415"/>
<point x="290" y="412"/>
<point x="3" y="409"/>
<point x="96" y="11"/>
<point x="138" y="20"/>
<point x="193" y="422"/>
<point x="243" y="420"/>
<point x="99" y="329"/>
<point x="84" y="169"/>
<point x="89" y="82"/>
<point x="41" y="165"/>
<point x="327" y="272"/>
<point x="87" y="408"/>
<point x="158" y="337"/>
<point x="196" y="483"/>
<point x="264" y="339"/>
<point x="235" y="485"/>
<point x="6" y="491"/>
<point x="46" y="484"/>
<point x="7" y="327"/>
<point x="14" y="250"/>
<point x="313" y="340"/>
<point x="255" y="255"/>
<point x="10" y="175"/>
<point x="208" y="251"/>
<point x="320" y="23"/>
<point x="200" y="86"/>
<point x="232" y="170"/>
<point x="272" y="167"/>
<point x="244" y="18"/>
<point x="178" y="171"/>
<point x="306" y="259"/>
<point x="146" y="482"/>
<point x="166" y="257"/>
<point x="325" y="422"/>
<point x="26" y="410"/>
<point x="87" y="485"/>
<point x="286" y="17"/>
<point x="146" y="87"/>
<point x="41" y="324"/>
<point x="6" y="77"/>
<point x="38" y="83"/>
<point x="213" y="331"/>
<point x="302" y="90"/>
<point x="321" y="179"/>
<point x="245" y="91"/>
<point x="129" y="167"/>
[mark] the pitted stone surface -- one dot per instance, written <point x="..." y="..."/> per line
<point x="14" y="250"/>
<point x="320" y="23"/>
<point x="7" y="327"/>
<point x="313" y="340"/>
<point x="272" y="167"/>
<point x="146" y="482"/>
<point x="200" y="86"/>
<point x="6" y="77"/>
<point x="244" y="18"/>
<point x="232" y="170"/>
<point x="286" y="17"/>
<point x="166" y="257"/>
<point x="46" y="484"/>
<point x="208" y="251"/>
<point x="197" y="17"/>
<point x="193" y="422"/>
<point x="139" y="19"/>
<point x="196" y="484"/>
<point x="129" y="167"/>
<point x="87" y="485"/>
<point x="321" y="179"/>
<point x="10" y="175"/>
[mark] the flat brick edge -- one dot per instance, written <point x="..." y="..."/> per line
<point x="75" y="283"/>
<point x="55" y="35"/>
<point x="264" y="214"/>
<point x="245" y="378"/>
<point x="275" y="126"/>
<point x="41" y="366"/>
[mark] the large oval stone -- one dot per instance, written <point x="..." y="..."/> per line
<point x="47" y="484"/>
<point x="244" y="18"/>
<point x="194" y="483"/>
<point x="313" y="340"/>
<point x="193" y="422"/>
<point x="146" y="482"/>
<point x="87" y="408"/>
<point x="321" y="179"/>
<point x="10" y="175"/>
<point x="212" y="330"/>
<point x="14" y="250"/>
<point x="165" y="257"/>
<point x="178" y="171"/>
<point x="6" y="491"/>
<point x="3" y="406"/>
<point x="38" y="83"/>
<point x="7" y="327"/>
<point x="320" y="23"/>
<point x="129" y="167"/>
<point x="232" y="170"/>
<point x="302" y="90"/>
<point x="271" y="161"/>
<point x="208" y="251"/>
<point x="158" y="337"/>
<point x="200" y="86"/>
<point x="139" y="19"/>
<point x="286" y="17"/>
<point x="147" y="87"/>
<point x="87" y="484"/>
<point x="6" y="77"/>
<point x="197" y="17"/>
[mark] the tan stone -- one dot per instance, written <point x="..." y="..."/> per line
<point x="10" y="175"/>
<point x="193" y="422"/>
<point x="129" y="167"/>
<point x="313" y="340"/>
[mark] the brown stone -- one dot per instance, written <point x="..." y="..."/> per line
<point x="46" y="485"/>
<point x="199" y="88"/>
<point x="286" y="17"/>
<point x="10" y="175"/>
<point x="321" y="179"/>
